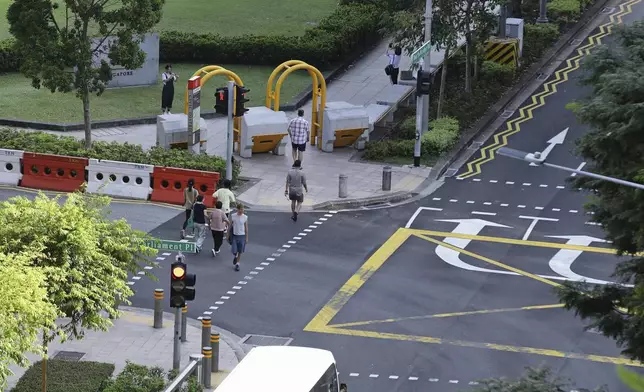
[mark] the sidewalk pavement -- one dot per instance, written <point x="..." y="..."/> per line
<point x="361" y="84"/>
<point x="133" y="338"/>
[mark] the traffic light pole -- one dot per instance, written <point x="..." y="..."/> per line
<point x="176" y="354"/>
<point x="422" y="102"/>
<point x="230" y="134"/>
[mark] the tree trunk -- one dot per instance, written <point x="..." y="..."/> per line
<point x="44" y="363"/>
<point x="468" y="62"/>
<point x="476" y="64"/>
<point x="441" y="91"/>
<point x="87" y="119"/>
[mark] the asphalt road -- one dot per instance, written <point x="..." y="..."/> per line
<point x="403" y="306"/>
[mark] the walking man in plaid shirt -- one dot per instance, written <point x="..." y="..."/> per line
<point x="298" y="130"/>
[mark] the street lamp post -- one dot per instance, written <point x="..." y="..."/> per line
<point x="538" y="160"/>
<point x="542" y="12"/>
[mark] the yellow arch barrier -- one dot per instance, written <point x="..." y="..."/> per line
<point x="319" y="91"/>
<point x="215" y="70"/>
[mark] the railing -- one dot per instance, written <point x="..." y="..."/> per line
<point x="193" y="368"/>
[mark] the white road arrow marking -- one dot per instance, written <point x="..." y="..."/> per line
<point x="558" y="139"/>
<point x="471" y="227"/>
<point x="561" y="263"/>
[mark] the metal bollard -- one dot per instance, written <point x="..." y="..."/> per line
<point x="214" y="343"/>
<point x="198" y="372"/>
<point x="184" y="324"/>
<point x="207" y="364"/>
<point x="342" y="190"/>
<point x="205" y="331"/>
<point x="158" y="308"/>
<point x="386" y="178"/>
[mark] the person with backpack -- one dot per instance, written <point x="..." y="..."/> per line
<point x="199" y="221"/>
<point x="189" y="197"/>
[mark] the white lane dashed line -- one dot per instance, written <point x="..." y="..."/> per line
<point x="392" y="377"/>
<point x="373" y="376"/>
<point x="453" y="381"/>
<point x="238" y="286"/>
<point x="493" y="181"/>
<point x="523" y="184"/>
<point x="526" y="184"/>
<point x="483" y="213"/>
<point x="453" y="201"/>
<point x="470" y="202"/>
<point x="509" y="183"/>
<point x="506" y="205"/>
<point x="437" y="199"/>
<point x="413" y="378"/>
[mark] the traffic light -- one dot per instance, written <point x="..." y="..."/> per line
<point x="221" y="100"/>
<point x="181" y="284"/>
<point x="240" y="100"/>
<point x="423" y="83"/>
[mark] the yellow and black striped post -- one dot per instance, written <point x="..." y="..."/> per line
<point x="207" y="364"/>
<point x="184" y="323"/>
<point x="158" y="308"/>
<point x="214" y="343"/>
<point x="205" y="331"/>
<point x="503" y="51"/>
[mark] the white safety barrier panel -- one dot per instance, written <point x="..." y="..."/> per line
<point x="122" y="179"/>
<point x="344" y="124"/>
<point x="173" y="129"/>
<point x="10" y="161"/>
<point x="263" y="130"/>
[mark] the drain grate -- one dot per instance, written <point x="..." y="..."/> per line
<point x="73" y="356"/>
<point x="450" y="172"/>
<point x="542" y="76"/>
<point x="575" y="42"/>
<point x="475" y="145"/>
<point x="507" y="113"/>
<point x="263" y="340"/>
<point x="608" y="10"/>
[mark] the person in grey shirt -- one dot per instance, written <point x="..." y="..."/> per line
<point x="295" y="187"/>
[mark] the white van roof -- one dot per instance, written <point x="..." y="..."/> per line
<point x="278" y="368"/>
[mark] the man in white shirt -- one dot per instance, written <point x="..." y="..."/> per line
<point x="298" y="130"/>
<point x="238" y="236"/>
<point x="394" y="63"/>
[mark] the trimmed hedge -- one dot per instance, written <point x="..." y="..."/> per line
<point x="565" y="11"/>
<point x="442" y="137"/>
<point x="66" y="376"/>
<point x="537" y="39"/>
<point x="45" y="143"/>
<point x="494" y="73"/>
<point x="348" y="31"/>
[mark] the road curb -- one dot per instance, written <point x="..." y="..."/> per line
<point x="530" y="74"/>
<point x="230" y="338"/>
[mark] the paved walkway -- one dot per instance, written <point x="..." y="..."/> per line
<point x="133" y="338"/>
<point x="362" y="84"/>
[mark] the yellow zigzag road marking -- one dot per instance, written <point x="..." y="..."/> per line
<point x="538" y="100"/>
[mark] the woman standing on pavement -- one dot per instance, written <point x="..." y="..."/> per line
<point x="238" y="235"/>
<point x="189" y="196"/>
<point x="218" y="224"/>
<point x="167" y="94"/>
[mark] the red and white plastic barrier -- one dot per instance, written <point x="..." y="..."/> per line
<point x="113" y="178"/>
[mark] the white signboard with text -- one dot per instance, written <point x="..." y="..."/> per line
<point x="147" y="75"/>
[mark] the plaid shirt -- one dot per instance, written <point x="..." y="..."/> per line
<point x="298" y="128"/>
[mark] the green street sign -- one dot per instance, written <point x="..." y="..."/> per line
<point x="420" y="53"/>
<point x="173" y="246"/>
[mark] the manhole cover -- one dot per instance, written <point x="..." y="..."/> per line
<point x="262" y="340"/>
<point x="69" y="356"/>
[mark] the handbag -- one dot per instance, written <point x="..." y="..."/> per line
<point x="389" y="69"/>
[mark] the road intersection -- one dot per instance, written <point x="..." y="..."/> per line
<point x="441" y="292"/>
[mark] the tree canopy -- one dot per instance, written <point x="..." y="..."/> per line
<point x="614" y="146"/>
<point x="75" y="262"/>
<point x="533" y="380"/>
<point x="24" y="310"/>
<point x="60" y="46"/>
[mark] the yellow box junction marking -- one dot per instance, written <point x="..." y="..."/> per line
<point x="321" y="323"/>
<point x="538" y="100"/>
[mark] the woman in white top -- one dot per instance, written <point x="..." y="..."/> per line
<point x="394" y="62"/>
<point x="167" y="95"/>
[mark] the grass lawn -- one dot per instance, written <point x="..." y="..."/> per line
<point x="19" y="100"/>
<point x="230" y="17"/>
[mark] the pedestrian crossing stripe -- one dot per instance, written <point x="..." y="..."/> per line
<point x="513" y="126"/>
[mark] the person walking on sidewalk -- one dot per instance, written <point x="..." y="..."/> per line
<point x="189" y="196"/>
<point x="218" y="223"/>
<point x="298" y="130"/>
<point x="394" y="63"/>
<point x="238" y="235"/>
<point x="295" y="187"/>
<point x="226" y="196"/>
<point x="199" y="220"/>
